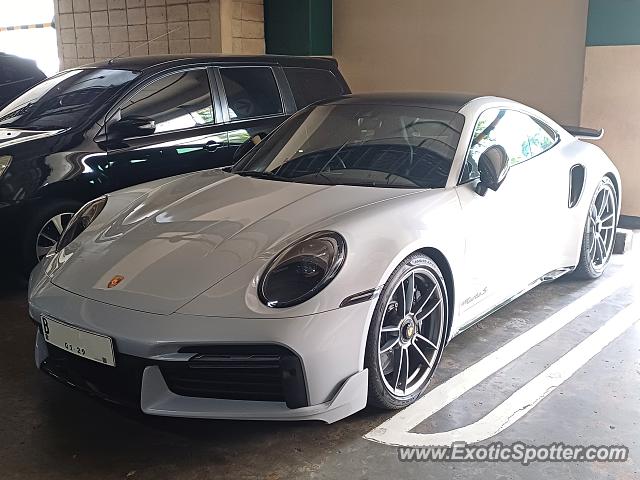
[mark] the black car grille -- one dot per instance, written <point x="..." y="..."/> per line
<point x="119" y="384"/>
<point x="239" y="372"/>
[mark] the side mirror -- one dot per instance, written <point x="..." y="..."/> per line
<point x="493" y="167"/>
<point x="132" y="127"/>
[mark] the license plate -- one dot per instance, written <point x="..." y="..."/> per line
<point x="82" y="343"/>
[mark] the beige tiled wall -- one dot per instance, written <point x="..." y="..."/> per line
<point x="247" y="26"/>
<point x="94" y="30"/>
<point x="609" y="99"/>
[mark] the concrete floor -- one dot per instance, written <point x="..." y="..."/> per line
<point x="51" y="432"/>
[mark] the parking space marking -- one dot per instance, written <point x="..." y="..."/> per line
<point x="396" y="430"/>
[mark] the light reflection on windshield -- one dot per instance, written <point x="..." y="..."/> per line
<point x="357" y="144"/>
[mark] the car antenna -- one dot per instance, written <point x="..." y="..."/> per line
<point x="145" y="43"/>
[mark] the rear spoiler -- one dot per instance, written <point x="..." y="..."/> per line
<point x="585" y="133"/>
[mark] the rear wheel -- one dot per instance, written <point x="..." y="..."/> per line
<point x="407" y="333"/>
<point x="599" y="232"/>
<point x="43" y="231"/>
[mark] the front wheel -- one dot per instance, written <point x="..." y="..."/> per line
<point x="599" y="232"/>
<point x="407" y="333"/>
<point x="43" y="230"/>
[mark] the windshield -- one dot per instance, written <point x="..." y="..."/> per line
<point x="366" y="145"/>
<point x="64" y="100"/>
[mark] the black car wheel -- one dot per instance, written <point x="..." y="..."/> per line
<point x="43" y="230"/>
<point x="599" y="232"/>
<point x="407" y="333"/>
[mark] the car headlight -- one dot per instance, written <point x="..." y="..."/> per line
<point x="80" y="221"/>
<point x="5" y="161"/>
<point x="301" y="270"/>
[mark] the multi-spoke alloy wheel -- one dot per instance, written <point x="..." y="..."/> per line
<point x="50" y="233"/>
<point x="600" y="231"/>
<point x="407" y="334"/>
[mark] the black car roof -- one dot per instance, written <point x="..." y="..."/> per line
<point x="452" y="102"/>
<point x="162" y="61"/>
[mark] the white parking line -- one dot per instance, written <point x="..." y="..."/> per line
<point x="396" y="430"/>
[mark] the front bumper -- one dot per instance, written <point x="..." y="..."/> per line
<point x="154" y="354"/>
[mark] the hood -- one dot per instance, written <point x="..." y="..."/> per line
<point x="183" y="237"/>
<point x="10" y="136"/>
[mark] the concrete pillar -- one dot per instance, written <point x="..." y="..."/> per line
<point x="95" y="30"/>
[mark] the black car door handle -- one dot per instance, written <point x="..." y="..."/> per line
<point x="211" y="146"/>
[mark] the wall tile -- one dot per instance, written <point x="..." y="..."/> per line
<point x="99" y="19"/>
<point x="200" y="29"/>
<point x="138" y="33"/>
<point x="97" y="5"/>
<point x="83" y="35"/>
<point x="68" y="35"/>
<point x="80" y="6"/>
<point x="156" y="15"/>
<point x="179" y="46"/>
<point x="85" y="50"/>
<point x="119" y="48"/>
<point x="179" y="30"/>
<point x="100" y="35"/>
<point x="119" y="34"/>
<point x="200" y="45"/>
<point x="116" y="4"/>
<point x="82" y="20"/>
<point x="252" y="29"/>
<point x="117" y="17"/>
<point x="65" y="6"/>
<point x="252" y="46"/>
<point x="102" y="50"/>
<point x="199" y="11"/>
<point x="158" y="47"/>
<point x="177" y="13"/>
<point x="137" y="49"/>
<point x="252" y="11"/>
<point x="136" y="16"/>
<point x="155" y="30"/>
<point x="65" y="20"/>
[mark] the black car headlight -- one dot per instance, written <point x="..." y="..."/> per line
<point x="301" y="270"/>
<point x="80" y="221"/>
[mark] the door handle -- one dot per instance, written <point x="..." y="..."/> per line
<point x="211" y="146"/>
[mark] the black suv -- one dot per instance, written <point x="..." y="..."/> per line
<point x="17" y="75"/>
<point x="106" y="126"/>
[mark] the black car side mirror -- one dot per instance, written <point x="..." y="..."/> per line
<point x="493" y="167"/>
<point x="132" y="127"/>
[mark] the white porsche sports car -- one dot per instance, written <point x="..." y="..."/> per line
<point x="328" y="269"/>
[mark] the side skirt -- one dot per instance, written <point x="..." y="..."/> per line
<point x="548" y="277"/>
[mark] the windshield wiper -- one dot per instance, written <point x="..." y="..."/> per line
<point x="265" y="175"/>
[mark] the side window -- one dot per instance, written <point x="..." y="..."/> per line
<point x="311" y="84"/>
<point x="176" y="101"/>
<point x="522" y="136"/>
<point x="251" y="92"/>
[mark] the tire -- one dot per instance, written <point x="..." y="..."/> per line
<point x="38" y="219"/>
<point x="428" y="316"/>
<point x="599" y="232"/>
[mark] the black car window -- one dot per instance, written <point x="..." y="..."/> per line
<point x="176" y="101"/>
<point x="522" y="136"/>
<point x="251" y="92"/>
<point x="69" y="99"/>
<point x="311" y="84"/>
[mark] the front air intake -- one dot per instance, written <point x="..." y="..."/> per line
<point x="239" y="372"/>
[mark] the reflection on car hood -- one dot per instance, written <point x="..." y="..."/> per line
<point x="185" y="236"/>
<point x="10" y="136"/>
